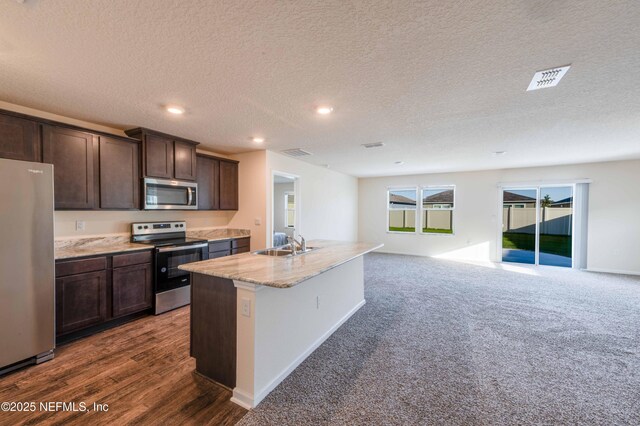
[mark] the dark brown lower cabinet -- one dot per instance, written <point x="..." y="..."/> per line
<point x="99" y="292"/>
<point x="228" y="247"/>
<point x="81" y="301"/>
<point x="132" y="289"/>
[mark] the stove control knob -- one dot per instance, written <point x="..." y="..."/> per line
<point x="163" y="270"/>
<point x="176" y="225"/>
<point x="146" y="227"/>
<point x="139" y="227"/>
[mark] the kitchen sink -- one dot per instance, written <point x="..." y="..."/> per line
<point x="282" y="251"/>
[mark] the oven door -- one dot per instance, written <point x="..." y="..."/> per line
<point x="168" y="276"/>
<point x="164" y="194"/>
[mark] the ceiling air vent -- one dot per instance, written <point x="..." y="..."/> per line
<point x="373" y="145"/>
<point x="295" y="152"/>
<point x="547" y="78"/>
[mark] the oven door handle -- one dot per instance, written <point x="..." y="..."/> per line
<point x="189" y="196"/>
<point x="168" y="249"/>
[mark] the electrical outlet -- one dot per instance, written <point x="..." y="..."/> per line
<point x="257" y="221"/>
<point x="246" y="307"/>
<point x="80" y="225"/>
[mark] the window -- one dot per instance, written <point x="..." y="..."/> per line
<point x="289" y="209"/>
<point x="437" y="210"/>
<point x="401" y="210"/>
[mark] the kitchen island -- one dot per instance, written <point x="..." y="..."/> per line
<point x="255" y="318"/>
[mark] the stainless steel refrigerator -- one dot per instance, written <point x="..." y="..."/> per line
<point x="27" y="278"/>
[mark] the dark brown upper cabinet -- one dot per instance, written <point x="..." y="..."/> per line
<point x="208" y="183"/>
<point x="185" y="160"/>
<point x="228" y="185"/>
<point x="119" y="174"/>
<point x="158" y="157"/>
<point x="19" y="138"/>
<point x="74" y="155"/>
<point x="165" y="156"/>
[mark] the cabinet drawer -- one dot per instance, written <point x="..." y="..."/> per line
<point x="131" y="259"/>
<point x="82" y="266"/>
<point x="216" y="254"/>
<point x="239" y="250"/>
<point x="240" y="242"/>
<point x="219" y="245"/>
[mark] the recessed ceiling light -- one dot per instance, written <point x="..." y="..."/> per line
<point x="499" y="153"/>
<point x="258" y="139"/>
<point x="174" y="109"/>
<point x="399" y="163"/>
<point x="324" y="110"/>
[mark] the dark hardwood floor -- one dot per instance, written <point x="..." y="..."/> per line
<point x="142" y="370"/>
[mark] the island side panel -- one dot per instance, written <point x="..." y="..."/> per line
<point x="213" y="328"/>
<point x="290" y="323"/>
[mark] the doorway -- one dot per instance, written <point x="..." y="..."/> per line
<point x="285" y="208"/>
<point x="538" y="225"/>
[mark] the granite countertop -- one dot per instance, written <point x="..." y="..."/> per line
<point x="282" y="272"/>
<point x="218" y="234"/>
<point x="68" y="248"/>
<point x="94" y="246"/>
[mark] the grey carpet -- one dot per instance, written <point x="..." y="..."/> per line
<point x="442" y="342"/>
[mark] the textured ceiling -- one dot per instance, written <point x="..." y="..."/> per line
<point x="441" y="83"/>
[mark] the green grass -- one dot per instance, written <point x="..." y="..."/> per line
<point x="437" y="231"/>
<point x="554" y="244"/>
<point x="396" y="229"/>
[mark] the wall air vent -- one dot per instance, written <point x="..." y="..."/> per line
<point x="373" y="145"/>
<point x="295" y="152"/>
<point x="547" y="78"/>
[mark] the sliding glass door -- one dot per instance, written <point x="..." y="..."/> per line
<point x="537" y="225"/>
<point x="519" y="225"/>
<point x="556" y="226"/>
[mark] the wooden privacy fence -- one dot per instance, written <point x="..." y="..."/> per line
<point x="553" y="220"/>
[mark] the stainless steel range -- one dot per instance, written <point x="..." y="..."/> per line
<point x="172" y="248"/>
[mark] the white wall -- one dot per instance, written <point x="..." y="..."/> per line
<point x="328" y="199"/>
<point x="613" y="228"/>
<point x="279" y="210"/>
<point x="253" y="188"/>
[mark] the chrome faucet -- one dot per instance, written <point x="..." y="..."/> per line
<point x="297" y="245"/>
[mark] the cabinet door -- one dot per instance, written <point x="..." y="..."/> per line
<point x="132" y="289"/>
<point x="158" y="157"/>
<point x="74" y="156"/>
<point x="19" y="139"/>
<point x="119" y="176"/>
<point x="208" y="183"/>
<point x="228" y="185"/>
<point x="185" y="160"/>
<point x="81" y="301"/>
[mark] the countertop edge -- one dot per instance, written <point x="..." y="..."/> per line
<point x="105" y="252"/>
<point x="276" y="284"/>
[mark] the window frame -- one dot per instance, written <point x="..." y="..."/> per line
<point x="403" y="188"/>
<point x="451" y="209"/>
<point x="287" y="209"/>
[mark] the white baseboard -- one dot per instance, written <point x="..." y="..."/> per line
<point x="245" y="400"/>
<point x="612" y="271"/>
<point x="242" y="399"/>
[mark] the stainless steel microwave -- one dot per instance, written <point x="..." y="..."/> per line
<point x="167" y="194"/>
